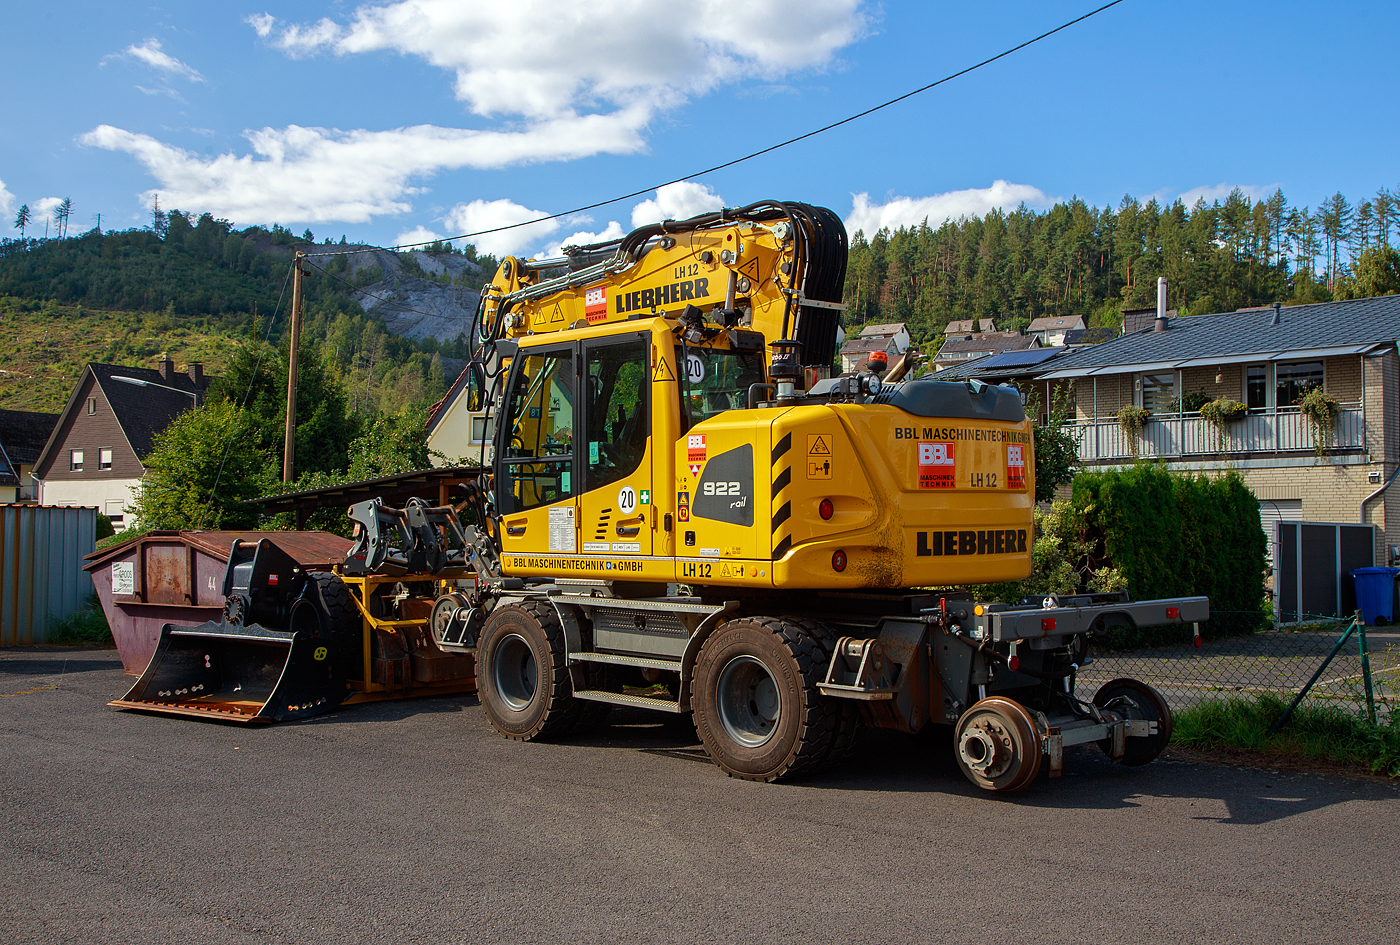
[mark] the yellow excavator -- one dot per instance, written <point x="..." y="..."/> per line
<point x="687" y="512"/>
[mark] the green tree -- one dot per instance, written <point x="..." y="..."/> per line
<point x="257" y="378"/>
<point x="203" y="447"/>
<point x="22" y="219"/>
<point x="61" y="215"/>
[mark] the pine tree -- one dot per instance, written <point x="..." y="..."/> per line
<point x="22" y="219"/>
<point x="60" y="216"/>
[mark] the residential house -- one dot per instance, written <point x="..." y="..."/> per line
<point x="94" y="455"/>
<point x="457" y="434"/>
<point x="1268" y="360"/>
<point x="968" y="326"/>
<point x="857" y="351"/>
<point x="957" y="349"/>
<point x="1051" y="329"/>
<point x="23" y="434"/>
<point x="898" y="331"/>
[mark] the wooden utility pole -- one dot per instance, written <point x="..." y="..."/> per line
<point x="290" y="442"/>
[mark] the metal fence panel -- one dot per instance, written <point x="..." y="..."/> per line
<point x="41" y="568"/>
<point x="1312" y="575"/>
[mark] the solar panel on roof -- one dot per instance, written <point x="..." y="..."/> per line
<point x="1027" y="358"/>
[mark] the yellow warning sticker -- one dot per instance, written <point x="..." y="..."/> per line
<point x="818" y="444"/>
<point x="557" y="315"/>
<point x="819" y="468"/>
<point x="750" y="269"/>
<point x="662" y="372"/>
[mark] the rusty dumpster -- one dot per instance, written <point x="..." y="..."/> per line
<point x="175" y="577"/>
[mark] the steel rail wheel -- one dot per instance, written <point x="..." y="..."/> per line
<point x="1132" y="699"/>
<point x="997" y="746"/>
<point x="522" y="673"/>
<point x="757" y="708"/>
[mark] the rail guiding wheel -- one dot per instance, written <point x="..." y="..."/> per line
<point x="997" y="745"/>
<point x="1132" y="699"/>
<point x="522" y="674"/>
<point x="757" y="708"/>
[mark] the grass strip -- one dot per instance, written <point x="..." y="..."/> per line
<point x="1315" y="732"/>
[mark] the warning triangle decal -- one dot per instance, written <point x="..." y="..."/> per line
<point x="820" y="447"/>
<point x="750" y="269"/>
<point x="557" y="315"/>
<point x="663" y="372"/>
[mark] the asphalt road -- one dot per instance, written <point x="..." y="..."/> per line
<point x="414" y="822"/>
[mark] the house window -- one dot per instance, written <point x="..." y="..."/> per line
<point x="481" y="430"/>
<point x="1159" y="393"/>
<point x="104" y="459"/>
<point x="92" y="406"/>
<point x="1256" y="386"/>
<point x="1295" y="380"/>
<point x="75" y="460"/>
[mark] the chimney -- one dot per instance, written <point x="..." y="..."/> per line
<point x="167" y="368"/>
<point x="1161" y="323"/>
<point x="196" y="372"/>
<point x="1277" y="319"/>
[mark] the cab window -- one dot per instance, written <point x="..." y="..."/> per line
<point x="616" y="412"/>
<point x="538" y="432"/>
<point x="718" y="380"/>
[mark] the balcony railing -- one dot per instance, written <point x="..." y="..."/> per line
<point x="1174" y="436"/>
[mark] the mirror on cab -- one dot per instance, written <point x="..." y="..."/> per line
<point x="476" y="386"/>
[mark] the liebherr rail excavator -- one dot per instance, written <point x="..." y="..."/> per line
<point x="686" y="512"/>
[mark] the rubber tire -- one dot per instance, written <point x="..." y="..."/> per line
<point x="1019" y="739"/>
<point x="343" y="622"/>
<point x="848" y="723"/>
<point x="552" y="711"/>
<point x="1147" y="703"/>
<point x="807" y="724"/>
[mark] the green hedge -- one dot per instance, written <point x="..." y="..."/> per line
<point x="1175" y="535"/>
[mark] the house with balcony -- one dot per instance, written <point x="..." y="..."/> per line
<point x="1267" y="359"/>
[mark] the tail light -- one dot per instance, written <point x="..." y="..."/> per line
<point x="838" y="561"/>
<point x="826" y="510"/>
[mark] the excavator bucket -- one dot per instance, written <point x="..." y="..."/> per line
<point x="239" y="670"/>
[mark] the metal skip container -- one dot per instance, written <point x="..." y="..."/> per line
<point x="176" y="578"/>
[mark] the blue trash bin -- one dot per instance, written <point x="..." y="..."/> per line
<point x="1375" y="594"/>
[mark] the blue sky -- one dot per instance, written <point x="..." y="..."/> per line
<point x="401" y="119"/>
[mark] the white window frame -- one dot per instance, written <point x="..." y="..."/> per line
<point x="104" y="458"/>
<point x="75" y="460"/>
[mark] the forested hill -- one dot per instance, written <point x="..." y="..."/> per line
<point x="203" y="276"/>
<point x="1076" y="260"/>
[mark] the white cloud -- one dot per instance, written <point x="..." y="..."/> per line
<point x="545" y="58"/>
<point x="1213" y="192"/>
<point x="317" y="175"/>
<point x="150" y="53"/>
<point x="613" y="231"/>
<point x="419" y="234"/>
<point x="568" y="80"/>
<point x="676" y="202"/>
<point x="41" y="213"/>
<point x="489" y="214"/>
<point x="898" y="212"/>
<point x="7" y="200"/>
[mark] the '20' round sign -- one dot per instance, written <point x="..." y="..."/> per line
<point x="627" y="499"/>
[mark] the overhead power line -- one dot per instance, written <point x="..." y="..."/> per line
<point x="754" y="154"/>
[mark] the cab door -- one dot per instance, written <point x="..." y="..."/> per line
<point x="537" y="465"/>
<point x="615" y="451"/>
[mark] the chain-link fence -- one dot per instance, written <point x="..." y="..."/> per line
<point x="1276" y="662"/>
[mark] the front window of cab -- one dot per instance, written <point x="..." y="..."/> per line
<point x="717" y="380"/>
<point x="537" y="448"/>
